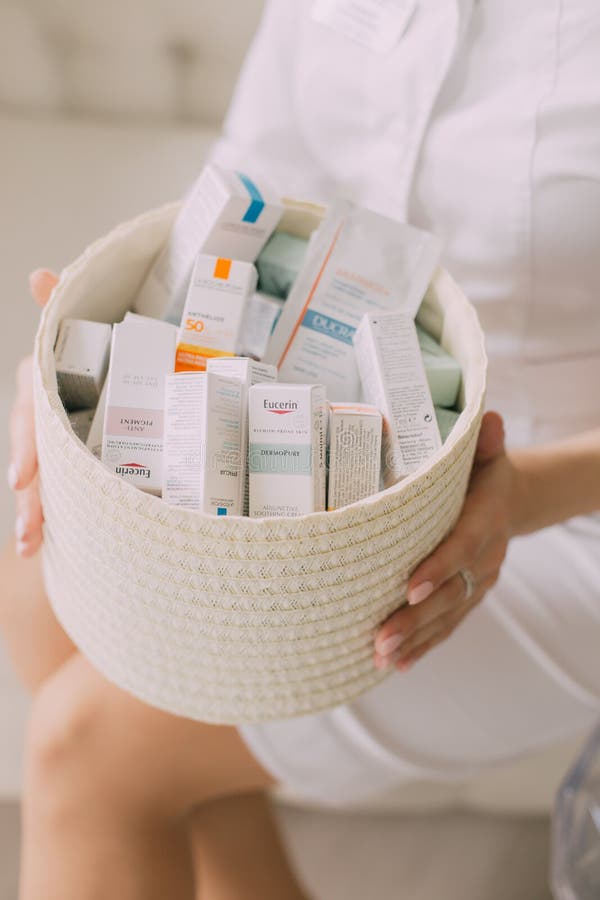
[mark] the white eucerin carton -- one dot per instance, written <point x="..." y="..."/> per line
<point x="394" y="380"/>
<point x="81" y="353"/>
<point x="358" y="262"/>
<point x="214" y="311"/>
<point x="143" y="353"/>
<point x="354" y="453"/>
<point x="247" y="372"/>
<point x="262" y="313"/>
<point x="96" y="432"/>
<point x="203" y="455"/>
<point x="225" y="214"/>
<point x="287" y="444"/>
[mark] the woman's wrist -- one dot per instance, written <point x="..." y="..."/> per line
<point x="555" y="482"/>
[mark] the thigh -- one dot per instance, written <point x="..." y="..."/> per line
<point x="36" y="642"/>
<point x="116" y="748"/>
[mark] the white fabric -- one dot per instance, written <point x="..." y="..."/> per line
<point x="483" y="124"/>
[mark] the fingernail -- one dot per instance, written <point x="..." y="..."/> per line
<point x="389" y="645"/>
<point x="390" y="660"/>
<point x="21" y="548"/>
<point x="12" y="476"/>
<point x="420" y="592"/>
<point x="20" y="529"/>
<point x="404" y="666"/>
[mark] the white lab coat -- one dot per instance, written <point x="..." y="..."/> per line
<point x="482" y="123"/>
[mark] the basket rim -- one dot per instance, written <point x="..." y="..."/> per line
<point x="146" y="504"/>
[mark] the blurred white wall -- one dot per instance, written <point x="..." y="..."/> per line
<point x="132" y="59"/>
<point x="106" y="109"/>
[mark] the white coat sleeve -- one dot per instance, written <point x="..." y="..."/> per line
<point x="261" y="133"/>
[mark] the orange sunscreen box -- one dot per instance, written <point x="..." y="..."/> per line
<point x="214" y="311"/>
<point x="354" y="453"/>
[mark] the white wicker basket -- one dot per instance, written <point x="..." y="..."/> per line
<point x="230" y="620"/>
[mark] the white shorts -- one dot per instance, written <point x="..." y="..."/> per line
<point x="522" y="672"/>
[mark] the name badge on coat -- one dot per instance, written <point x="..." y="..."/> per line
<point x="376" y="24"/>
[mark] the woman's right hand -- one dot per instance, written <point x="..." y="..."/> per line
<point x="22" y="471"/>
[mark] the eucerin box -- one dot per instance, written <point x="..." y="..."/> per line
<point x="247" y="372"/>
<point x="81" y="354"/>
<point x="287" y="441"/>
<point x="143" y="353"/>
<point x="354" y="453"/>
<point x="203" y="455"/>
<point x="262" y="313"/>
<point x="214" y="310"/>
<point x="394" y="380"/>
<point x="225" y="214"/>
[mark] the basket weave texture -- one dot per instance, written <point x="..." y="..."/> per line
<point x="230" y="620"/>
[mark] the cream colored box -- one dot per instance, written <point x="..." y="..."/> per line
<point x="203" y="456"/>
<point x="354" y="453"/>
<point x="287" y="443"/>
<point x="225" y="214"/>
<point x="247" y="372"/>
<point x="393" y="379"/>
<point x="214" y="311"/>
<point x="81" y="353"/>
<point x="143" y="353"/>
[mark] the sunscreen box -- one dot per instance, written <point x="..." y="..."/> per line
<point x="357" y="262"/>
<point x="247" y="372"/>
<point x="214" y="311"/>
<point x="262" y="314"/>
<point x="354" y="453"/>
<point x="202" y="465"/>
<point x="81" y="353"/>
<point x="143" y="353"/>
<point x="394" y="380"/>
<point x="287" y="442"/>
<point x="226" y="214"/>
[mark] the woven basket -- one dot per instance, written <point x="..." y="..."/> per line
<point x="230" y="620"/>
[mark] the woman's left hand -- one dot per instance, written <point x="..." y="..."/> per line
<point x="439" y="596"/>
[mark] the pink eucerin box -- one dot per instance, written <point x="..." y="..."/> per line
<point x="143" y="353"/>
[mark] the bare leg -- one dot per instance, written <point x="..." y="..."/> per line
<point x="238" y="851"/>
<point x="36" y="642"/>
<point x="109" y="780"/>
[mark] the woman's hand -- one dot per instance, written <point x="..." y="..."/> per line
<point x="438" y="595"/>
<point x="22" y="471"/>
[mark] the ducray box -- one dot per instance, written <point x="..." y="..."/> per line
<point x="287" y="440"/>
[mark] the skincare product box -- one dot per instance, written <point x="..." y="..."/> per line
<point x="279" y="263"/>
<point x="394" y="380"/>
<point x="443" y="372"/>
<point x="214" y="310"/>
<point x="287" y="443"/>
<point x="446" y="419"/>
<point x="226" y="214"/>
<point x="203" y="443"/>
<point x="354" y="453"/>
<point x="94" y="439"/>
<point x="262" y="314"/>
<point x="81" y="353"/>
<point x="358" y="262"/>
<point x="143" y="353"/>
<point x="247" y="372"/>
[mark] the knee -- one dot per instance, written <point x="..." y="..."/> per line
<point x="60" y="762"/>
